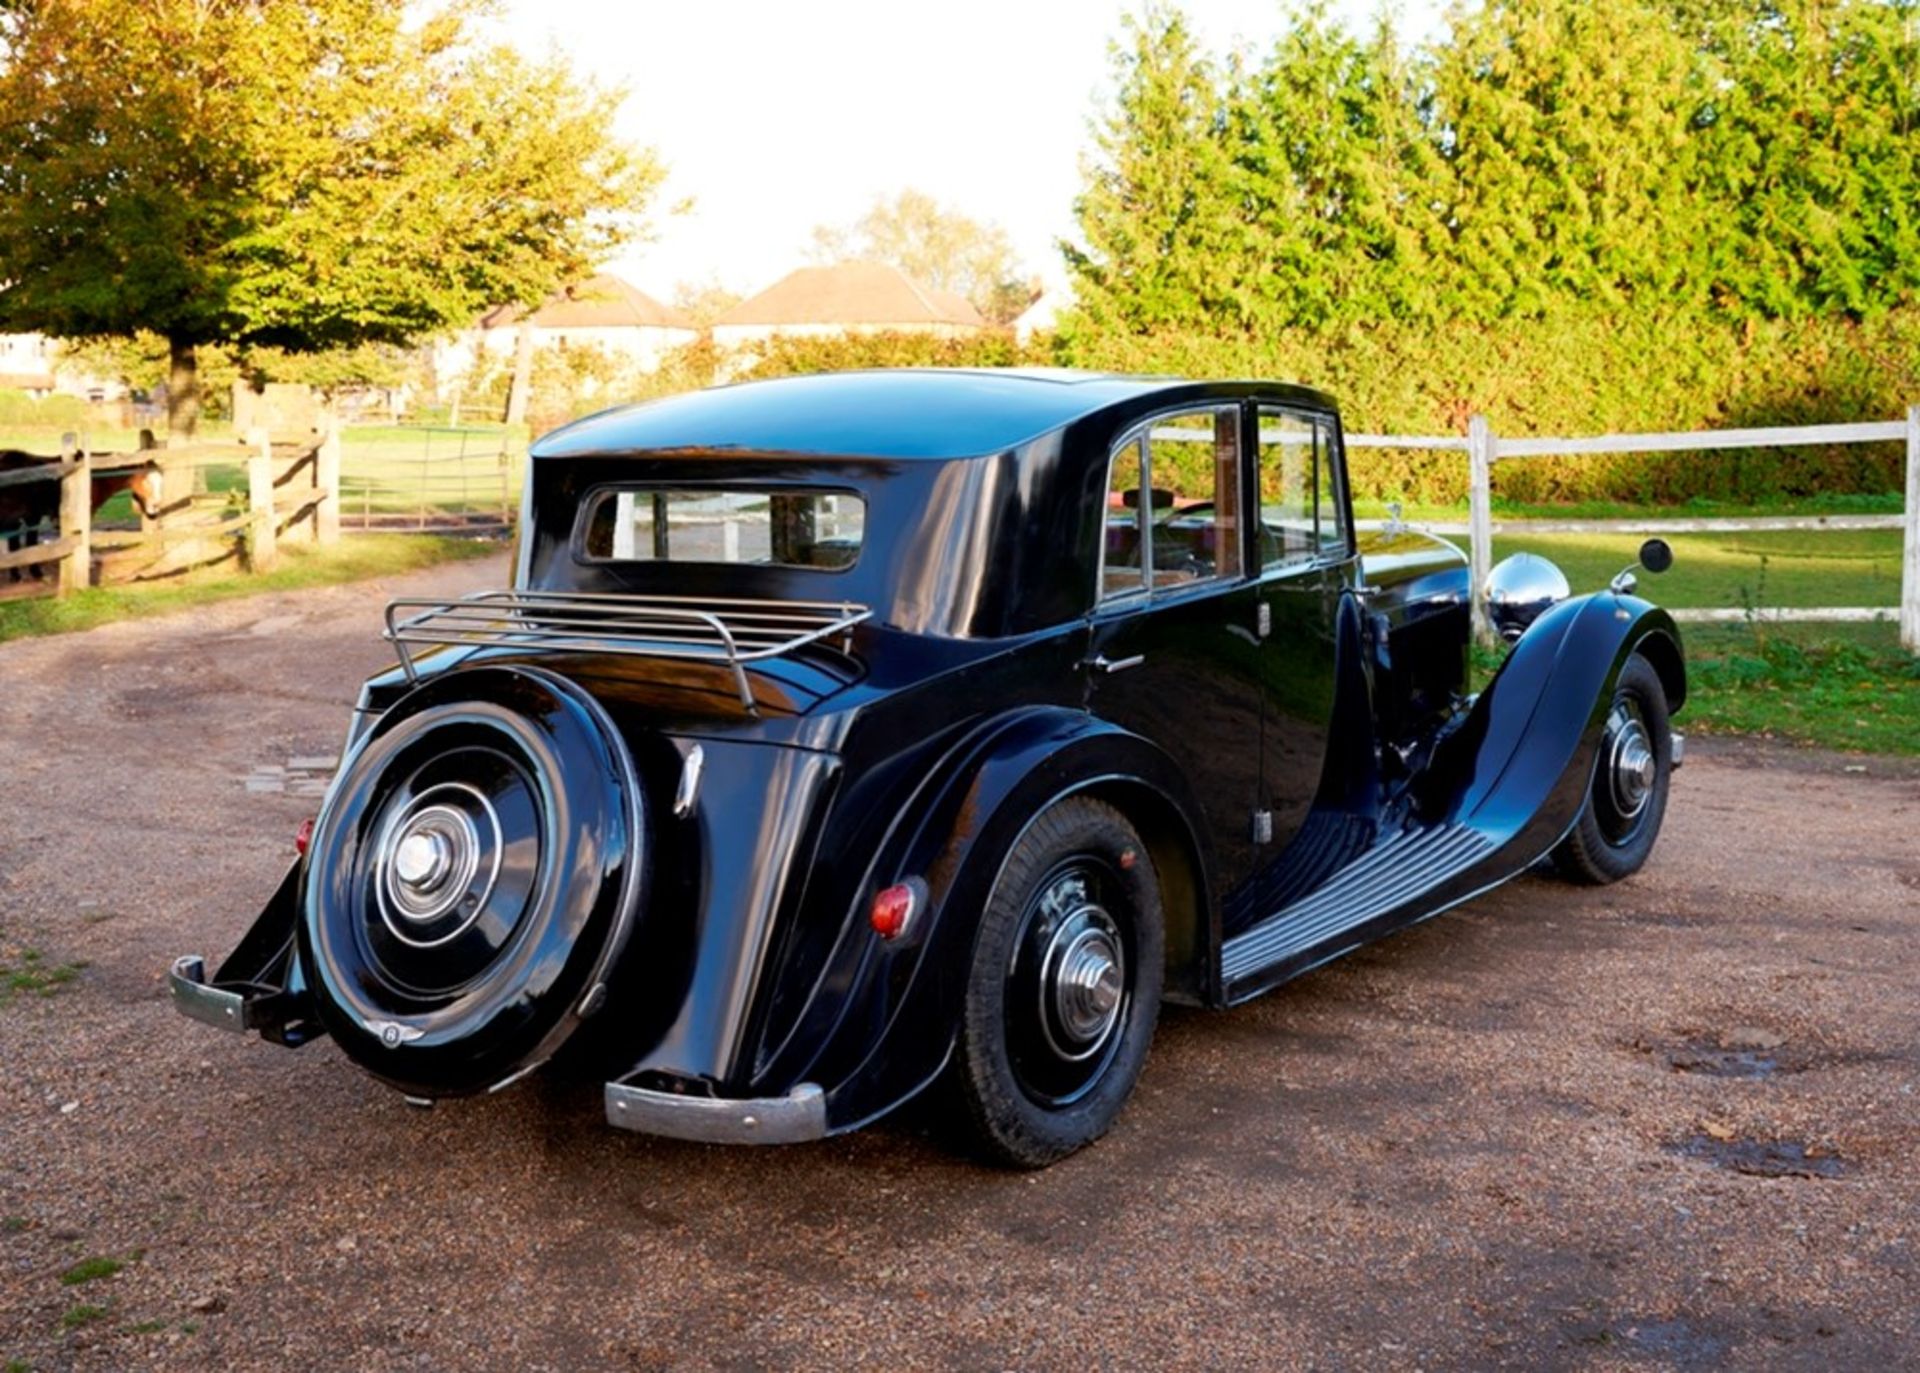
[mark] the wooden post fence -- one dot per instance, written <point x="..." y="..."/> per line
<point x="1484" y="448"/>
<point x="75" y="570"/>
<point x="1481" y="446"/>
<point x="326" y="477"/>
<point x="1910" y="567"/>
<point x="263" y="535"/>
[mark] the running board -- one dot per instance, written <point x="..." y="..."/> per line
<point x="1393" y="875"/>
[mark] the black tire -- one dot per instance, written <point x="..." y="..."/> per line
<point x="526" y="799"/>
<point x="1619" y="822"/>
<point x="1078" y="884"/>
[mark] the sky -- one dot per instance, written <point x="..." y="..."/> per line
<point x="775" y="117"/>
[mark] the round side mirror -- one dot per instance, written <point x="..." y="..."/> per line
<point x="1656" y="555"/>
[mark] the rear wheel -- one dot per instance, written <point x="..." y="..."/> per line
<point x="1628" y="797"/>
<point x="1064" y="990"/>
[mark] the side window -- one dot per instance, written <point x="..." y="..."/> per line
<point x="1287" y="533"/>
<point x="1124" y="567"/>
<point x="1173" y="503"/>
<point x="1333" y="512"/>
<point x="1301" y="516"/>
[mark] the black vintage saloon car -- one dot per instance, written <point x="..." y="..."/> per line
<point x="844" y="734"/>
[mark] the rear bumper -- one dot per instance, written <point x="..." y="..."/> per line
<point x="276" y="1013"/>
<point x="796" y="1118"/>
<point x="221" y="1007"/>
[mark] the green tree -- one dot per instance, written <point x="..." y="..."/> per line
<point x="1809" y="135"/>
<point x="1338" y="178"/>
<point x="1565" y="128"/>
<point x="1159" y="207"/>
<point x="936" y="245"/>
<point x="295" y="174"/>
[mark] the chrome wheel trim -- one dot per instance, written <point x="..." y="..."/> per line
<point x="1632" y="766"/>
<point x="444" y="863"/>
<point x="1069" y="988"/>
<point x="1082" y="983"/>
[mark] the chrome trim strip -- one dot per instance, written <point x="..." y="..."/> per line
<point x="688" y="792"/>
<point x="796" y="1118"/>
<point x="194" y="999"/>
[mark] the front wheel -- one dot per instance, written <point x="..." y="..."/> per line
<point x="1628" y="796"/>
<point x="1064" y="989"/>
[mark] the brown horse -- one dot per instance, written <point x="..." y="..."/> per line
<point x="25" y="507"/>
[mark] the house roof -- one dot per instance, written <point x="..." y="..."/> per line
<point x="600" y="302"/>
<point x="871" y="293"/>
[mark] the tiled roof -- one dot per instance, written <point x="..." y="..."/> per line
<point x="601" y="302"/>
<point x="870" y="293"/>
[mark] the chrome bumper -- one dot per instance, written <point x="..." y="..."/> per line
<point x="1679" y="749"/>
<point x="795" y="1118"/>
<point x="193" y="998"/>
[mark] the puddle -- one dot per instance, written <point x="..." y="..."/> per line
<point x="1715" y="1061"/>
<point x="1763" y="1158"/>
<point x="1744" y="1052"/>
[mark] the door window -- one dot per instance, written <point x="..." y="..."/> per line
<point x="1173" y="503"/>
<point x="1302" y="519"/>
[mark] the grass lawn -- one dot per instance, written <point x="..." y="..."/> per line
<point x="1841" y="686"/>
<point x="1771" y="568"/>
<point x="1838" y="686"/>
<point x="355" y="558"/>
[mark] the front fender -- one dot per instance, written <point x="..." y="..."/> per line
<point x="882" y="1017"/>
<point x="1518" y="767"/>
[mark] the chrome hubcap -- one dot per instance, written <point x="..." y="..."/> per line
<point x="1632" y="766"/>
<point x="1082" y="976"/>
<point x="429" y="857"/>
<point x="422" y="859"/>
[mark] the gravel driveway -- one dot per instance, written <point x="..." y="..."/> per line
<point x="1673" y="1123"/>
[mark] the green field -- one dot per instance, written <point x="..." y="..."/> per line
<point x="387" y="472"/>
<point x="1736" y="570"/>
<point x="1842" y="686"/>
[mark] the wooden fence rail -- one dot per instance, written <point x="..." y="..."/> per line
<point x="292" y="489"/>
<point x="1484" y="448"/>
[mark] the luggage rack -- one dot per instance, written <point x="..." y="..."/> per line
<point x="701" y="628"/>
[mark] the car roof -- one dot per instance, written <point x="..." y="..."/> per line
<point x="893" y="413"/>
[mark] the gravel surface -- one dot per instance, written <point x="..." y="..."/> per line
<point x="1673" y="1123"/>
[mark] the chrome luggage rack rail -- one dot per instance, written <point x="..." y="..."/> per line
<point x="703" y="628"/>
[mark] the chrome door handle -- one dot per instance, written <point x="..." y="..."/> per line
<point x="1102" y="663"/>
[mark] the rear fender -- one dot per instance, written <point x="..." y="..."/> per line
<point x="1519" y="765"/>
<point x="897" y="1003"/>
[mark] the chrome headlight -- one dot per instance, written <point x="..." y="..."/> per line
<point x="1520" y="589"/>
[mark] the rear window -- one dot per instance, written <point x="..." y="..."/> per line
<point x="776" y="527"/>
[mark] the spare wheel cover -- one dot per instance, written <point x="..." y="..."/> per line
<point x="473" y="877"/>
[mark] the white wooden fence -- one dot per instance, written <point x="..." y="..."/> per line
<point x="1483" y="449"/>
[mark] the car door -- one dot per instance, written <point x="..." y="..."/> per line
<point x="1307" y="566"/>
<point x="1174" y="653"/>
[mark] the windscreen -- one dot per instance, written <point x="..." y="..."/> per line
<point x="778" y="527"/>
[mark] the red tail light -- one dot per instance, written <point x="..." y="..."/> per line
<point x="895" y="907"/>
<point x="303" y="836"/>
